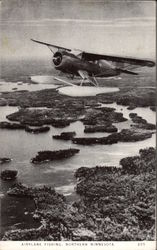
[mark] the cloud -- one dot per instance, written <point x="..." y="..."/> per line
<point x="120" y="22"/>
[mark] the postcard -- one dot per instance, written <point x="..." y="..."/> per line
<point x="78" y="124"/>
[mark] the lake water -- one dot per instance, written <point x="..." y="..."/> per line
<point x="22" y="146"/>
<point x="24" y="86"/>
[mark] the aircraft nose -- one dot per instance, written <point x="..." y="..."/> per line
<point x="57" y="59"/>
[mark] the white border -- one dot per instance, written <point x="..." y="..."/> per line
<point x="77" y="245"/>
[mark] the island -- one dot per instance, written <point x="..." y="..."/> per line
<point x="107" y="128"/>
<point x="45" y="156"/>
<point x="101" y="116"/>
<point x="39" y="117"/>
<point x="141" y="123"/>
<point x="125" y="135"/>
<point x="8" y="174"/>
<point x="61" y="123"/>
<point x="9" y="125"/>
<point x="65" y="136"/>
<point x="5" y="160"/>
<point x="37" y="130"/>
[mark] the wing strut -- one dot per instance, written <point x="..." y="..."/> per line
<point x="63" y="81"/>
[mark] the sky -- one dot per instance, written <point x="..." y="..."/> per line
<point x="122" y="27"/>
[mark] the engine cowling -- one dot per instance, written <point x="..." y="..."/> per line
<point x="57" y="58"/>
<point x="65" y="62"/>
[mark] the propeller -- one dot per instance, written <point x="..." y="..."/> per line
<point x="57" y="58"/>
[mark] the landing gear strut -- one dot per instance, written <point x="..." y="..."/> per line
<point x="92" y="80"/>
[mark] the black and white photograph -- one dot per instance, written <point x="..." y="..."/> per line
<point x="77" y="124"/>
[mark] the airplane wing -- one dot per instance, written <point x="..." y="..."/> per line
<point x="50" y="45"/>
<point x="94" y="57"/>
<point x="118" y="59"/>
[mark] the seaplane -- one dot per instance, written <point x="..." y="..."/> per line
<point x="89" y="67"/>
